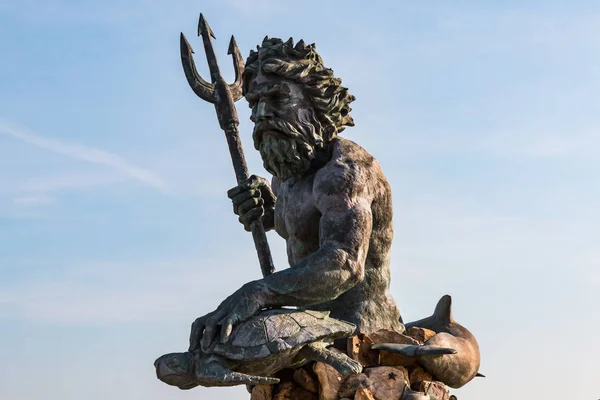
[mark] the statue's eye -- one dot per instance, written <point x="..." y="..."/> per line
<point x="280" y="98"/>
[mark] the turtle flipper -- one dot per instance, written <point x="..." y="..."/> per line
<point x="341" y="362"/>
<point x="412" y="350"/>
<point x="216" y="374"/>
<point x="238" y="378"/>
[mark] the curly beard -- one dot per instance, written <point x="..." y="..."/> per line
<point x="287" y="147"/>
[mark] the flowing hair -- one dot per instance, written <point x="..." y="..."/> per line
<point x="303" y="65"/>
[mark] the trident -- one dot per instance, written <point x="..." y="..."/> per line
<point x="223" y="96"/>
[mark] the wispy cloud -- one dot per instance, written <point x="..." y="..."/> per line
<point x="34" y="200"/>
<point x="65" y="182"/>
<point x="88" y="154"/>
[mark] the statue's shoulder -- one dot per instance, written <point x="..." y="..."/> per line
<point x="350" y="158"/>
<point x="345" y="151"/>
<point x="350" y="166"/>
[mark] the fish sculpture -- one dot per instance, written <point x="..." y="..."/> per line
<point x="451" y="355"/>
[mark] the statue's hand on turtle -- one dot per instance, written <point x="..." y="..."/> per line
<point x="238" y="307"/>
<point x="253" y="199"/>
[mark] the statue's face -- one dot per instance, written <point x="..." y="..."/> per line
<point x="275" y="97"/>
<point x="286" y="127"/>
<point x="176" y="369"/>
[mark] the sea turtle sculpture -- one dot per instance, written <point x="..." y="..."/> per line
<point x="258" y="348"/>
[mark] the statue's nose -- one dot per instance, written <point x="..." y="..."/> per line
<point x="263" y="111"/>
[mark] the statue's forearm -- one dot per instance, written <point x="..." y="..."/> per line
<point x="321" y="277"/>
<point x="339" y="263"/>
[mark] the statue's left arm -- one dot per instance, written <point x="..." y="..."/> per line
<point x="344" y="232"/>
<point x="344" y="201"/>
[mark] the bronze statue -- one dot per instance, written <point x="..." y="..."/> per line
<point x="330" y="201"/>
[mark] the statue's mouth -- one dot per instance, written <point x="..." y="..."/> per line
<point x="265" y="128"/>
<point x="270" y="133"/>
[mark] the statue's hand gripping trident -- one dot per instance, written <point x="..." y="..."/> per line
<point x="223" y="97"/>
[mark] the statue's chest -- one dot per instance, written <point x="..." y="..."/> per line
<point x="295" y="213"/>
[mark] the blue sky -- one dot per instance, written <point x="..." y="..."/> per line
<point x="115" y="231"/>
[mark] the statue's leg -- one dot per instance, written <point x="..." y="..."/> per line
<point x="215" y="373"/>
<point x="341" y="362"/>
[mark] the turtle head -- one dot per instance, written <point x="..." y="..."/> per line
<point x="177" y="369"/>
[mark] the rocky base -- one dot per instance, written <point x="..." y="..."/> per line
<point x="386" y="376"/>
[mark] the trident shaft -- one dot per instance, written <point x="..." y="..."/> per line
<point x="223" y="96"/>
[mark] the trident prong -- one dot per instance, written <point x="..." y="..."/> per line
<point x="202" y="88"/>
<point x="238" y="65"/>
<point x="223" y="97"/>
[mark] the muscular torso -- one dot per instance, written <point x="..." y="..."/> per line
<point x="297" y="219"/>
<point x="368" y="304"/>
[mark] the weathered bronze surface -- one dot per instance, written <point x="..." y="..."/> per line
<point x="458" y="368"/>
<point x="330" y="201"/>
<point x="258" y="348"/>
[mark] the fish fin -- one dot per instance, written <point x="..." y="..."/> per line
<point x="443" y="310"/>
<point x="441" y="318"/>
<point x="411" y="350"/>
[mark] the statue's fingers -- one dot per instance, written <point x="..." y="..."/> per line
<point x="209" y="333"/>
<point x="253" y="182"/>
<point x="244" y="196"/>
<point x="239" y="189"/>
<point x="250" y="204"/>
<point x="196" y="332"/>
<point x="231" y="193"/>
<point x="241" y="197"/>
<point x="227" y="327"/>
<point x="252" y="215"/>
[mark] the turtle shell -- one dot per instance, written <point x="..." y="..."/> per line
<point x="278" y="330"/>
